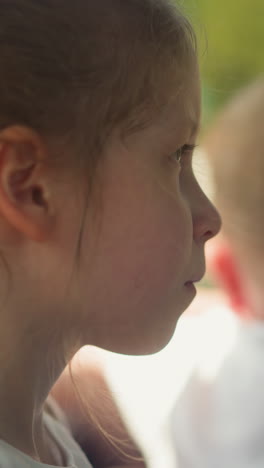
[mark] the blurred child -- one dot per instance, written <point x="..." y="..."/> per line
<point x="102" y="223"/>
<point x="218" y="420"/>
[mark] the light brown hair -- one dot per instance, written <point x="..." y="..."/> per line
<point x="75" y="69"/>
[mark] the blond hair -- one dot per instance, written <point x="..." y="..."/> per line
<point x="235" y="148"/>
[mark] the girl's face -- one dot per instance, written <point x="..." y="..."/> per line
<point x="136" y="271"/>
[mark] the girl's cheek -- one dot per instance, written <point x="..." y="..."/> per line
<point x="172" y="236"/>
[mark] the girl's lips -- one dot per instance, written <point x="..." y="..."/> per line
<point x="189" y="283"/>
<point x="190" y="287"/>
<point x="195" y="279"/>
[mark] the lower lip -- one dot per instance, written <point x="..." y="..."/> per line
<point x="189" y="285"/>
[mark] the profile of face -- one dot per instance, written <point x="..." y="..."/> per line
<point x="154" y="222"/>
<point x="142" y="243"/>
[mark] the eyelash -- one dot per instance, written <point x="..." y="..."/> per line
<point x="185" y="149"/>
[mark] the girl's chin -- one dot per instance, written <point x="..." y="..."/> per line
<point x="154" y="336"/>
<point x="191" y="292"/>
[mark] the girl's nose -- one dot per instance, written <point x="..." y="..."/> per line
<point x="206" y="219"/>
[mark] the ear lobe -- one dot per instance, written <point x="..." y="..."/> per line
<point x="24" y="202"/>
<point x="226" y="270"/>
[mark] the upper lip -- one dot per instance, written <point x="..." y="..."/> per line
<point x="196" y="278"/>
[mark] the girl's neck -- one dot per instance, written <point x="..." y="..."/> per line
<point x="26" y="379"/>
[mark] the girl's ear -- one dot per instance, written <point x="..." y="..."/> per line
<point x="226" y="270"/>
<point x="24" y="190"/>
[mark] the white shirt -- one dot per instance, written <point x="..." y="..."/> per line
<point x="218" y="419"/>
<point x="72" y="453"/>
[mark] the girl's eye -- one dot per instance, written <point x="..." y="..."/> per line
<point x="182" y="151"/>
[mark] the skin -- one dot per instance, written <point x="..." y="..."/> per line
<point x="155" y="223"/>
<point x="129" y="286"/>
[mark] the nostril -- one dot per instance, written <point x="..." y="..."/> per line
<point x="206" y="223"/>
<point x="214" y="224"/>
<point x="214" y="228"/>
<point x="208" y="235"/>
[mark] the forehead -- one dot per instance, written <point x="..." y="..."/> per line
<point x="183" y="109"/>
<point x="175" y="125"/>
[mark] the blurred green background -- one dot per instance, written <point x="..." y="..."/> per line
<point x="231" y="42"/>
